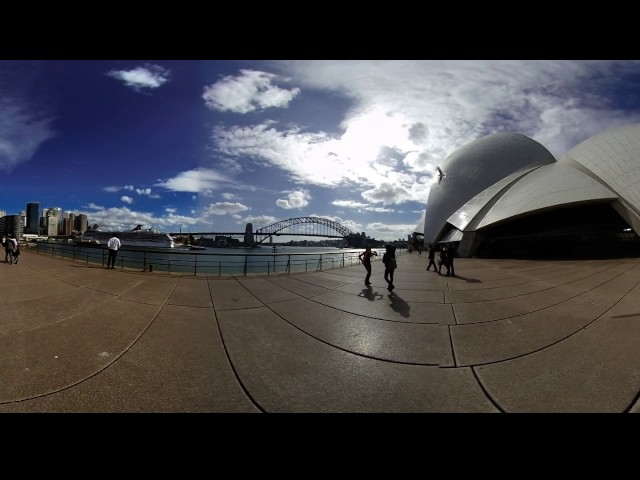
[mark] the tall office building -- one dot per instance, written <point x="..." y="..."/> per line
<point x="69" y="223"/>
<point x="81" y="223"/>
<point x="13" y="225"/>
<point x="33" y="216"/>
<point x="54" y="215"/>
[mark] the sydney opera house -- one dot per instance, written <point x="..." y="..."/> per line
<point x="505" y="195"/>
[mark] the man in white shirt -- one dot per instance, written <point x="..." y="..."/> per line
<point x="113" y="244"/>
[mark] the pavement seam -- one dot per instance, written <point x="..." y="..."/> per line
<point x="226" y="350"/>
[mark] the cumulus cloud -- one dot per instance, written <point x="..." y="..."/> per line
<point x="126" y="199"/>
<point x="250" y="90"/>
<point x="295" y="199"/>
<point x="123" y="218"/>
<point x="22" y="131"/>
<point x="407" y="116"/>
<point x="224" y="208"/>
<point x="140" y="78"/>
<point x="361" y="207"/>
<point x="197" y="181"/>
<point x="260" y="221"/>
<point x="147" y="192"/>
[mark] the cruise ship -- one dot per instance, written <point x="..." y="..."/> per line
<point x="135" y="238"/>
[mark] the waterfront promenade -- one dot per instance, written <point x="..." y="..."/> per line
<point x="501" y="336"/>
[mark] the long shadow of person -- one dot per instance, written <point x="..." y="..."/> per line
<point x="467" y="279"/>
<point x="399" y="305"/>
<point x="369" y="294"/>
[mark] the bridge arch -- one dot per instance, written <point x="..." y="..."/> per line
<point x="276" y="228"/>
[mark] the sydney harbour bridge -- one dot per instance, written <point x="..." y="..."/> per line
<point x="299" y="226"/>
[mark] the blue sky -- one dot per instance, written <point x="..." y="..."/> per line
<point x="203" y="145"/>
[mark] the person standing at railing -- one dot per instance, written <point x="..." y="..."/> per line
<point x="113" y="245"/>
<point x="365" y="258"/>
<point x="9" y="249"/>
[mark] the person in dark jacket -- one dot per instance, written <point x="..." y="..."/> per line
<point x="443" y="258"/>
<point x="432" y="257"/>
<point x="390" y="265"/>
<point x="365" y="258"/>
<point x="451" y="253"/>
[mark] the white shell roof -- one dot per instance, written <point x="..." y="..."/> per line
<point x="475" y="167"/>
<point x="469" y="210"/>
<point x="544" y="188"/>
<point x="614" y="157"/>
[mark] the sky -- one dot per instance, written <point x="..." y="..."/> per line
<point x="211" y="145"/>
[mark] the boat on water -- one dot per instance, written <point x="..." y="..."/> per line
<point x="134" y="238"/>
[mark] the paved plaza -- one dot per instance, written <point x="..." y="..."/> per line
<point x="513" y="336"/>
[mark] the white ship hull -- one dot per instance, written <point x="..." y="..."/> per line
<point x="133" y="239"/>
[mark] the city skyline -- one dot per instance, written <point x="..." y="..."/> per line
<point x="190" y="145"/>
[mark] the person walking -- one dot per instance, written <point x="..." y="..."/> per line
<point x="113" y="245"/>
<point x="365" y="258"/>
<point x="432" y="257"/>
<point x="9" y="248"/>
<point x="443" y="259"/>
<point x="390" y="265"/>
<point x="451" y="253"/>
<point x="16" y="248"/>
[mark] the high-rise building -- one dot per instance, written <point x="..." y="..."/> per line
<point x="53" y="219"/>
<point x="33" y="215"/>
<point x="69" y="223"/>
<point x="81" y="223"/>
<point x="13" y="225"/>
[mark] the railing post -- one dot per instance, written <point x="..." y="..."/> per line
<point x="244" y="271"/>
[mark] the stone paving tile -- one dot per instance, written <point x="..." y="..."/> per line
<point x="157" y="374"/>
<point x="401" y="342"/>
<point x="29" y="314"/>
<point x="320" y="342"/>
<point x="230" y="294"/>
<point x="34" y="292"/>
<point x="286" y="370"/>
<point x="595" y="370"/>
<point x="504" y="308"/>
<point x="56" y="356"/>
<point x="266" y="291"/>
<point x="191" y="291"/>
<point x="298" y="285"/>
<point x="501" y="340"/>
<point x="153" y="290"/>
<point x="425" y="296"/>
<point x="327" y="280"/>
<point x="378" y="303"/>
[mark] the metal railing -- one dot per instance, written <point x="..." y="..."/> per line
<point x="207" y="263"/>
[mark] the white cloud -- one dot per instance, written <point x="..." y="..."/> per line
<point x="251" y="90"/>
<point x="146" y="77"/>
<point x="22" y="131"/>
<point x="197" y="180"/>
<point x="295" y="199"/>
<point x="126" y="199"/>
<point x="407" y="116"/>
<point x="123" y="218"/>
<point x="224" y="208"/>
<point x="260" y="221"/>
<point x="349" y="204"/>
<point x="147" y="192"/>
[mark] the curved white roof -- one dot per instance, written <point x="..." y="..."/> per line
<point x="614" y="158"/>
<point x="506" y="176"/>
<point x="476" y="167"/>
<point x="547" y="187"/>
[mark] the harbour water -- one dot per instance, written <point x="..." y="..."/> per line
<point x="214" y="261"/>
